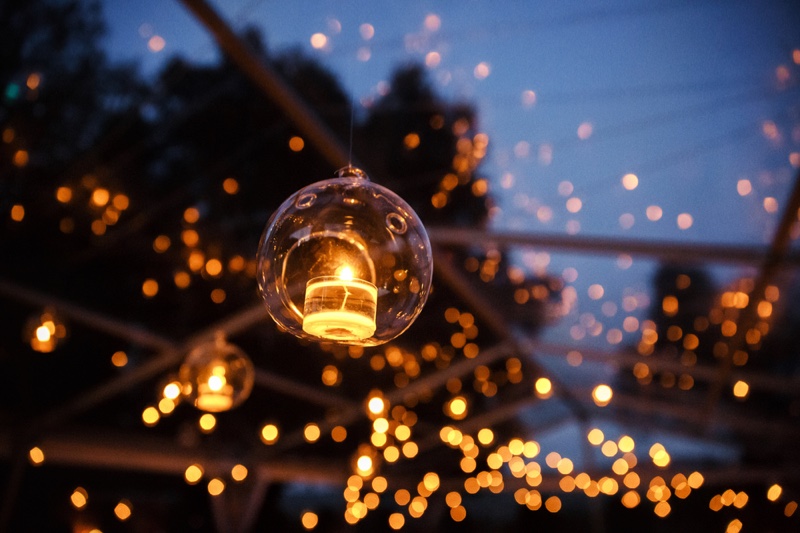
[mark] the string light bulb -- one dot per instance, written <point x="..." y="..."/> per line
<point x="217" y="376"/>
<point x="345" y="260"/>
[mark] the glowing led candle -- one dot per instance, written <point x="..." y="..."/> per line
<point x="340" y="307"/>
<point x="215" y="394"/>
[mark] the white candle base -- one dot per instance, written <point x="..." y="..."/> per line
<point x="340" y="309"/>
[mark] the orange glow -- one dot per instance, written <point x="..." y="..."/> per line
<point x="411" y="141"/>
<point x="64" y="194"/>
<point x="230" y="185"/>
<point x="21" y="158"/>
<point x="790" y="509"/>
<point x="33" y="81"/>
<point x="396" y="521"/>
<point x="100" y="197"/>
<point x="553" y="504"/>
<point x="602" y="395"/>
<point x="216" y="487"/>
<point x="79" y="498"/>
<point x="269" y="434"/>
<point x="296" y="144"/>
<point x="182" y="279"/>
<point x="311" y="432"/>
<point x="123" y="510"/>
<point x="193" y="474"/>
<point x="119" y="359"/>
<point x="149" y="288"/>
<point x="669" y="305"/>
<point x="36" y="456"/>
<point x="309" y="520"/>
<point x="196" y="260"/>
<point x="121" y="202"/>
<point x="207" y="423"/>
<point x="190" y="237"/>
<point x="213" y="267"/>
<point x="457" y="408"/>
<point x="17" y="213"/>
<point x="543" y="387"/>
<point x="150" y="416"/>
<point x="191" y="215"/>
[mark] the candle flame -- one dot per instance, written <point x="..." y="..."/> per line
<point x="346" y="273"/>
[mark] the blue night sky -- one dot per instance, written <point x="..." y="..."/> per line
<point x="698" y="99"/>
<point x="677" y="93"/>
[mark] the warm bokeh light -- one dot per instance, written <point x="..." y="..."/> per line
<point x="309" y="520"/>
<point x="376" y="405"/>
<point x="36" y="456"/>
<point x="397" y="521"/>
<point x="79" y="498"/>
<point x="543" y="388"/>
<point x="123" y="510"/>
<point x="602" y="395"/>
<point x="17" y="213"/>
<point x="216" y="486"/>
<point x="485" y="436"/>
<point x="595" y="436"/>
<point x="456" y="408"/>
<point x="239" y="472"/>
<point x="193" y="474"/>
<point x="119" y="359"/>
<point x="630" y="181"/>
<point x="311" y="432"/>
<point x="150" y="416"/>
<point x="207" y="423"/>
<point x="319" y="40"/>
<point x="741" y="389"/>
<point x="149" y="288"/>
<point x="269" y="434"/>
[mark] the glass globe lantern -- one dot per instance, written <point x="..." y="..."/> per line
<point x="345" y="260"/>
<point x="217" y="376"/>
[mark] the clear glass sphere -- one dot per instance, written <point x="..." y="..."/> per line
<point x="217" y="376"/>
<point x="345" y="260"/>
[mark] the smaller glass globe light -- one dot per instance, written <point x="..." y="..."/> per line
<point x="217" y="376"/>
<point x="345" y="260"/>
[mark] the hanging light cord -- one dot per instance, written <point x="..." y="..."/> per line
<point x="352" y="119"/>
